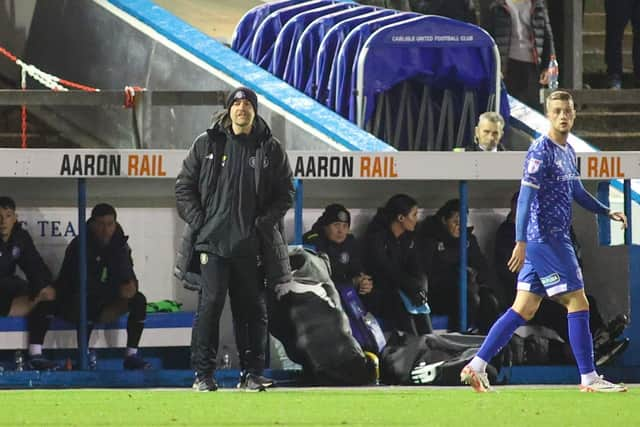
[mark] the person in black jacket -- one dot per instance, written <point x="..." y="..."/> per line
<point x="391" y="257"/>
<point x="112" y="286"/>
<point x="233" y="191"/>
<point x="330" y="234"/>
<point x="488" y="133"/>
<point x="440" y="237"/>
<point x="523" y="34"/>
<point x="17" y="296"/>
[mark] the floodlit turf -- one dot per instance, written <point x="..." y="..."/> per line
<point x="325" y="407"/>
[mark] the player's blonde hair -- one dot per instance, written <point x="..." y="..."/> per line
<point x="559" y="95"/>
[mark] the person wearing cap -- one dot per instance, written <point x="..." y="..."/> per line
<point x="234" y="188"/>
<point x="112" y="286"/>
<point x="331" y="235"/>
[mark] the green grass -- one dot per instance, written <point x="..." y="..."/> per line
<point x="382" y="407"/>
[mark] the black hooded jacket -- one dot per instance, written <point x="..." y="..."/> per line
<point x="442" y="254"/>
<point x="205" y="205"/>
<point x="20" y="251"/>
<point x="394" y="263"/>
<point x="499" y="26"/>
<point x="344" y="257"/>
<point x="108" y="267"/>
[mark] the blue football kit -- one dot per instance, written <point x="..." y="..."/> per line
<point x="550" y="183"/>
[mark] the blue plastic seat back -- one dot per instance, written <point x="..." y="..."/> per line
<point x="340" y="89"/>
<point x="285" y="45"/>
<point x="329" y="47"/>
<point x="246" y="28"/>
<point x="268" y="30"/>
<point x="307" y="49"/>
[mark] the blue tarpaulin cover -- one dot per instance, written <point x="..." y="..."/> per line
<point x="329" y="48"/>
<point x="439" y="51"/>
<point x="309" y="43"/>
<point x="342" y="86"/>
<point x="246" y="28"/>
<point x="267" y="32"/>
<point x="284" y="48"/>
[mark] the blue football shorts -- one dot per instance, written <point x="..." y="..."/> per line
<point x="550" y="268"/>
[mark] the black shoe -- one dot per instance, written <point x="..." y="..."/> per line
<point x="607" y="353"/>
<point x="205" y="383"/>
<point x="134" y="362"/>
<point x="39" y="363"/>
<point x="254" y="382"/>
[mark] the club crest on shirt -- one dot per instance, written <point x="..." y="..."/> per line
<point x="252" y="162"/>
<point x="15" y="252"/>
<point x="533" y="165"/>
<point x="344" y="258"/>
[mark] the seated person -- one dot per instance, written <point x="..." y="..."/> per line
<point x="112" y="286"/>
<point x="488" y="133"/>
<point x="17" y="296"/>
<point x="440" y="240"/>
<point x="552" y="314"/>
<point x="330" y="234"/>
<point x="391" y="257"/>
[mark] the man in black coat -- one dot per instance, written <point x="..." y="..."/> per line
<point x="17" y="296"/>
<point x="233" y="191"/>
<point x="488" y="133"/>
<point x="112" y="286"/>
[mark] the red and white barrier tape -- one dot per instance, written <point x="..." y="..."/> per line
<point x="57" y="84"/>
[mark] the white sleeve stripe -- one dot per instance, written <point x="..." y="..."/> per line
<point x="529" y="184"/>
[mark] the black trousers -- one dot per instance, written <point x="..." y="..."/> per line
<point x="99" y="309"/>
<point x="619" y="13"/>
<point x="244" y="281"/>
<point x="10" y="288"/>
<point x="522" y="80"/>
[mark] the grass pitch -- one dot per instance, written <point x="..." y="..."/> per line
<point x="387" y="406"/>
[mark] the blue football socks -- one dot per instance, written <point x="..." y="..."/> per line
<point x="581" y="340"/>
<point x="500" y="334"/>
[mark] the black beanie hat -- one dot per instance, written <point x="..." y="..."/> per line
<point x="243" y="93"/>
<point x="335" y="213"/>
